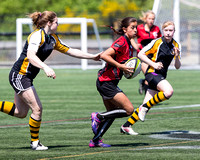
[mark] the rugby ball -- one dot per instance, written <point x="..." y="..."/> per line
<point x="135" y="63"/>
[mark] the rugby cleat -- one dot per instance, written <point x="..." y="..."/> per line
<point x="95" y="122"/>
<point x="127" y="130"/>
<point x="99" y="143"/>
<point x="36" y="145"/>
<point x="142" y="113"/>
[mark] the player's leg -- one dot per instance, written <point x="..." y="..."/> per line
<point x="143" y="84"/>
<point x="126" y="127"/>
<point x="17" y="109"/>
<point x="7" y="107"/>
<point x="117" y="107"/>
<point x="31" y="99"/>
<point x="165" y="92"/>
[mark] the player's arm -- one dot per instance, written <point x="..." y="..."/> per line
<point x="34" y="60"/>
<point x="107" y="56"/>
<point x="80" y="54"/>
<point x="177" y="63"/>
<point x="143" y="57"/>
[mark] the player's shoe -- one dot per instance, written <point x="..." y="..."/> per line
<point x="95" y="122"/>
<point x="127" y="130"/>
<point x="36" y="145"/>
<point x="142" y="113"/>
<point x="99" y="143"/>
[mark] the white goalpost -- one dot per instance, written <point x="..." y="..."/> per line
<point x="80" y="21"/>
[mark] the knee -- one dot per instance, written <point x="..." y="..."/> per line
<point x="20" y="114"/>
<point x="130" y="111"/>
<point x="168" y="93"/>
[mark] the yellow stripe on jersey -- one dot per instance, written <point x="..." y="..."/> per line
<point x="24" y="66"/>
<point x="154" y="50"/>
<point x="59" y="46"/>
<point x="177" y="46"/>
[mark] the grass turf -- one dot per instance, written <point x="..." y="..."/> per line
<point x="68" y="102"/>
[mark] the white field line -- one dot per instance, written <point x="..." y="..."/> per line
<point x="85" y="121"/>
<point x="177" y="107"/>
<point x="168" y="147"/>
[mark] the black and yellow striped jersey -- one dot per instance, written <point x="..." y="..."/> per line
<point x="43" y="44"/>
<point x="160" y="51"/>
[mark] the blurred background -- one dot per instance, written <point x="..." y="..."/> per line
<point x="104" y="12"/>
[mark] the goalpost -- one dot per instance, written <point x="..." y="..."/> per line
<point x="80" y="21"/>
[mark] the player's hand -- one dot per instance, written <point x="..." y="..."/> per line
<point x="158" y="65"/>
<point x="49" y="72"/>
<point x="97" y="56"/>
<point x="125" y="69"/>
<point x="176" y="51"/>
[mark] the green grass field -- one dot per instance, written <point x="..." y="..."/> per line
<point x="68" y="102"/>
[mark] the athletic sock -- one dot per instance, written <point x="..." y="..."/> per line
<point x="103" y="127"/>
<point x="157" y="98"/>
<point x="34" y="128"/>
<point x="133" y="119"/>
<point x="7" y="107"/>
<point x="117" y="113"/>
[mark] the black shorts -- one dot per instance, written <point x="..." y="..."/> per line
<point x="153" y="79"/>
<point x="108" y="89"/>
<point x="19" y="82"/>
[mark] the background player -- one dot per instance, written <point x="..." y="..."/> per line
<point x="146" y="32"/>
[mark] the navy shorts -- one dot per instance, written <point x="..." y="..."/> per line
<point x="19" y="82"/>
<point x="153" y="79"/>
<point x="108" y="89"/>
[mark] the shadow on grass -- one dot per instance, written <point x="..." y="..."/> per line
<point x="50" y="147"/>
<point x="130" y="145"/>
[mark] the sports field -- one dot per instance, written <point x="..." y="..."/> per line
<point x="171" y="130"/>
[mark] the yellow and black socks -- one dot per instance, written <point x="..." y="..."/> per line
<point x="133" y="119"/>
<point x="7" y="107"/>
<point x="157" y="98"/>
<point x="34" y="128"/>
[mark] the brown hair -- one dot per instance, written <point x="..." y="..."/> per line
<point x="167" y="23"/>
<point x="40" y="19"/>
<point x="146" y="14"/>
<point x="124" y="23"/>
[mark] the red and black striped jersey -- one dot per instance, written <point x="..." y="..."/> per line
<point x="144" y="37"/>
<point x="123" y="51"/>
<point x="43" y="45"/>
<point x="161" y="51"/>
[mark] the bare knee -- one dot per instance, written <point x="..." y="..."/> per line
<point x="21" y="114"/>
<point x="168" y="93"/>
<point x="130" y="111"/>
